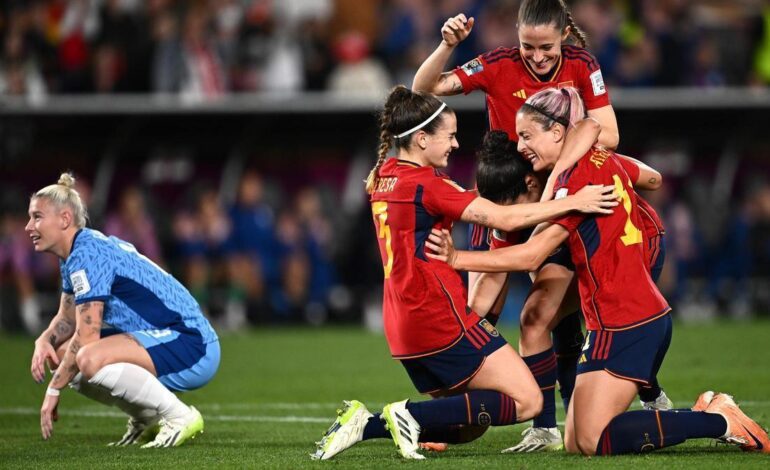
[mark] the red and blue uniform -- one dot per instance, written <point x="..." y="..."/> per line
<point x="508" y="80"/>
<point x="627" y="319"/>
<point x="428" y="325"/>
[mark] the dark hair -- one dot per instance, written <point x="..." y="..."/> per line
<point x="404" y="109"/>
<point x="500" y="171"/>
<point x="545" y="12"/>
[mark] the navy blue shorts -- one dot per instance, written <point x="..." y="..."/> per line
<point x="455" y="366"/>
<point x="562" y="257"/>
<point x="634" y="354"/>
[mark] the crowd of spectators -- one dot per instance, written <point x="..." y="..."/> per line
<point x="203" y="49"/>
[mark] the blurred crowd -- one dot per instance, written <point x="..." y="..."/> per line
<point x="203" y="49"/>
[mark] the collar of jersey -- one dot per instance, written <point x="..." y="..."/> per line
<point x="408" y="163"/>
<point x="554" y="71"/>
<point x="75" y="239"/>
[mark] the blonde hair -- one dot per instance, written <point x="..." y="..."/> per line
<point x="555" y="105"/>
<point x="63" y="193"/>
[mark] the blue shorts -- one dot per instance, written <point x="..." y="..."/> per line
<point x="455" y="366"/>
<point x="562" y="257"/>
<point x="182" y="361"/>
<point x="634" y="354"/>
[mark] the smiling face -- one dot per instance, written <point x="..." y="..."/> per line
<point x="437" y="146"/>
<point x="540" y="147"/>
<point x="541" y="46"/>
<point x="46" y="225"/>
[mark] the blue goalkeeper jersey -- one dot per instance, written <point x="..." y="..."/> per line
<point x="137" y="294"/>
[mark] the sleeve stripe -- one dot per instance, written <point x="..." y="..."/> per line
<point x="98" y="298"/>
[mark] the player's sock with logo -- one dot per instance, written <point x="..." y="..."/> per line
<point x="543" y="367"/>
<point x="642" y="430"/>
<point x="481" y="407"/>
<point x="567" y="343"/>
<point x="651" y="393"/>
<point x="139" y="387"/>
<point x="375" y="428"/>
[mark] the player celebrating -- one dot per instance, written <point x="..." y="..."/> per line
<point x="447" y="350"/>
<point x="126" y="333"/>
<point x="508" y="76"/>
<point x="628" y="321"/>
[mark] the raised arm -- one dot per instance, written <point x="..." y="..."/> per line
<point x="590" y="200"/>
<point x="525" y="257"/>
<point x="649" y="177"/>
<point x="610" y="136"/>
<point x="88" y="326"/>
<point x="60" y="329"/>
<point x="430" y="77"/>
<point x="576" y="144"/>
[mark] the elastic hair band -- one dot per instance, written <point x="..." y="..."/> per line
<point x="560" y="120"/>
<point x="423" y="123"/>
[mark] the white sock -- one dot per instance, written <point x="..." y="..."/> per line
<point x="102" y="395"/>
<point x="137" y="386"/>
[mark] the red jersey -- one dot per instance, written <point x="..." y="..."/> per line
<point x="424" y="302"/>
<point x="508" y="81"/>
<point x="616" y="290"/>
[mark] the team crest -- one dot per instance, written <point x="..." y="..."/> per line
<point x="472" y="67"/>
<point x="484" y="419"/>
<point x="489" y="328"/>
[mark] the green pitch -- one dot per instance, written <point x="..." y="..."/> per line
<point x="277" y="390"/>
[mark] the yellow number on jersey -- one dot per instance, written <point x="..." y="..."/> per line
<point x="380" y="211"/>
<point x="632" y="235"/>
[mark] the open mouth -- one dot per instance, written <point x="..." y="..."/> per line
<point x="35" y="239"/>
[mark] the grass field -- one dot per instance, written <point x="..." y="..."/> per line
<point x="277" y="390"/>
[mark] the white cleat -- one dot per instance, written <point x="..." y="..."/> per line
<point x="661" y="403"/>
<point x="174" y="432"/>
<point x="347" y="429"/>
<point x="403" y="428"/>
<point x="538" y="440"/>
<point x="138" y="430"/>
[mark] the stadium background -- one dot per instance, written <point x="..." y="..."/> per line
<point x="228" y="140"/>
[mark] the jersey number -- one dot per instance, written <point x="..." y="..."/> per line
<point x="632" y="235"/>
<point x="380" y="212"/>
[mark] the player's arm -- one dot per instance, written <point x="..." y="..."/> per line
<point x="649" y="178"/>
<point x="610" y="136"/>
<point x="484" y="296"/>
<point x="430" y="77"/>
<point x="593" y="199"/>
<point x="60" y="329"/>
<point x="88" y="326"/>
<point x="523" y="257"/>
<point x="577" y="143"/>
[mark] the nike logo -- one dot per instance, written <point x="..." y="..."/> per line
<point x="756" y="441"/>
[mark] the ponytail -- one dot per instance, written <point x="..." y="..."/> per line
<point x="63" y="193"/>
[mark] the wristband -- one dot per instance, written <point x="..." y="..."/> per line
<point x="54" y="392"/>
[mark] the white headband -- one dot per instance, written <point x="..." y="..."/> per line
<point x="424" y="123"/>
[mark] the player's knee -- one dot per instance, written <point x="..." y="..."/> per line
<point x="88" y="361"/>
<point x="586" y="443"/>
<point x="529" y="405"/>
<point x="535" y="318"/>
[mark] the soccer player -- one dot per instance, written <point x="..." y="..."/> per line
<point x="447" y="350"/>
<point x="508" y="75"/>
<point x="628" y="321"/>
<point x="126" y="334"/>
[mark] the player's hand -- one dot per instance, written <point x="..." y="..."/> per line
<point x="442" y="245"/>
<point x="44" y="351"/>
<point x="49" y="413"/>
<point x="456" y="29"/>
<point x="596" y="199"/>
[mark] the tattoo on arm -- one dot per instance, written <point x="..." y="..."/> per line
<point x="457" y="87"/>
<point x="653" y="180"/>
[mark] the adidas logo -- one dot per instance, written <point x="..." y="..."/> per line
<point x="521" y="94"/>
<point x="582" y="359"/>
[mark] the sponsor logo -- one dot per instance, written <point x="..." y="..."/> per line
<point x="582" y="359"/>
<point x="561" y="193"/>
<point x="565" y="84"/>
<point x="597" y="83"/>
<point x="80" y="282"/>
<point x="484" y="419"/>
<point x="489" y="328"/>
<point x="521" y="94"/>
<point x="474" y="66"/>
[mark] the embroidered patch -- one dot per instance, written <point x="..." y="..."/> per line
<point x="597" y="82"/>
<point x="79" y="282"/>
<point x="472" y="67"/>
<point x="489" y="328"/>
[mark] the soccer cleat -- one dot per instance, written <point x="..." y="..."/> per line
<point x="661" y="403"/>
<point x="741" y="430"/>
<point x="703" y="401"/>
<point x="174" y="432"/>
<point x="403" y="428"/>
<point x="138" y="430"/>
<point x="434" y="446"/>
<point x="346" y="430"/>
<point x="538" y="440"/>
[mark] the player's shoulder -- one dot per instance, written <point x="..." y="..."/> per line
<point x="88" y="239"/>
<point x="578" y="57"/>
<point x="501" y="54"/>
